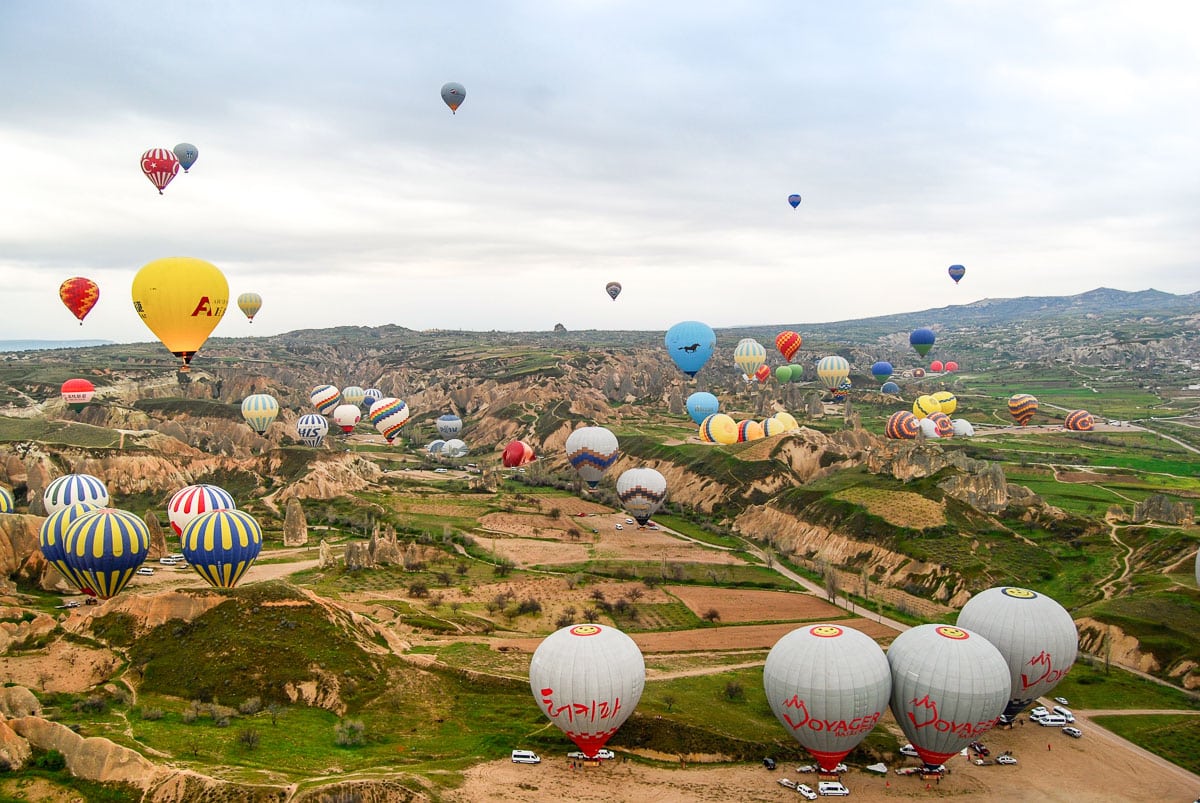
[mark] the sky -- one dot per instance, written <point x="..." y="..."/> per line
<point x="1049" y="147"/>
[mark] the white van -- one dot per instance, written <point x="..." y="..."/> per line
<point x="526" y="757"/>
<point x="1052" y="721"/>
<point x="832" y="789"/>
<point x="1064" y="712"/>
<point x="167" y="561"/>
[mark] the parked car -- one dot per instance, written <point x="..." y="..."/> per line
<point x="832" y="789"/>
<point x="1052" y="721"/>
<point x="604" y="754"/>
<point x="1038" y="712"/>
<point x="806" y="791"/>
<point x="807" y="768"/>
<point x="769" y="763"/>
<point x="619" y="527"/>
<point x="71" y="603"/>
<point x="526" y="757"/>
<point x="788" y="782"/>
<point x="908" y="750"/>
<point x="1064" y="712"/>
<point x="1071" y="731"/>
<point x="1062" y="701"/>
<point x="441" y="471"/>
<point x="980" y="748"/>
<point x="1005" y="759"/>
<point x="145" y="570"/>
<point x="629" y="521"/>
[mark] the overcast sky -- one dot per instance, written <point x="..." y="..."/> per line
<point x="1050" y="147"/>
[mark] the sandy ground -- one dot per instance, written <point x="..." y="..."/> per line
<point x="1073" y="770"/>
<point x="540" y="542"/>
<point x="736" y="605"/>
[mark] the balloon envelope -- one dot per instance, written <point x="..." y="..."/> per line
<point x="160" y="166"/>
<point x="1036" y="636"/>
<point x="788" y="343"/>
<point x="949" y="687"/>
<point x="832" y="371"/>
<point x="951" y="366"/>
<point x="187" y="154"/>
<point x="924" y="405"/>
<point x="902" y="425"/>
<point x="922" y="340"/>
<point x="590" y="451"/>
<point x="453" y="95"/>
<point x="181" y="300"/>
<point x="882" y="370"/>
<point x="345" y="416"/>
<point x="449" y="426"/>
<point x="936" y="366"/>
<point x="963" y="428"/>
<point x="455" y="448"/>
<point x="71" y="489"/>
<point x="189" y="502"/>
<point x="947" y="401"/>
<point x="249" y="304"/>
<point x="104" y="547"/>
<point x="890" y="388"/>
<point x="956" y="272"/>
<point x="701" y="404"/>
<point x="828" y="685"/>
<point x="52" y="540"/>
<point x="79" y="295"/>
<point x="1080" y="421"/>
<point x="259" y="410"/>
<point x="718" y="428"/>
<point x="77" y="393"/>
<point x="642" y="491"/>
<point x="748" y="355"/>
<point x="517" y="453"/>
<point x="312" y="429"/>
<point x="690" y="344"/>
<point x="1022" y="407"/>
<point x="354" y="395"/>
<point x="221" y="545"/>
<point x="7" y="503"/>
<point x="325" y="398"/>
<point x="389" y="416"/>
<point x="794" y="200"/>
<point x="613" y="289"/>
<point x="587" y="679"/>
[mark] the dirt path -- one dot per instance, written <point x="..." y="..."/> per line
<point x="1109" y="587"/>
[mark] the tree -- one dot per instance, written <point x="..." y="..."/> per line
<point x="669" y="701"/>
<point x="249" y="738"/>
<point x="418" y="590"/>
<point x="734" y="691"/>
<point x="712" y="615"/>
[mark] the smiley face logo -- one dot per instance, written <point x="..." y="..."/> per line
<point x="955" y="633"/>
<point x="1019" y="593"/>
<point x="826" y="631"/>
<point x="585" y="630"/>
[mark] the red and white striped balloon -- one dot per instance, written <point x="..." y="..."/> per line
<point x="160" y="166"/>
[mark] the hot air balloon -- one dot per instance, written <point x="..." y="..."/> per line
<point x="259" y="410"/>
<point x="963" y="428"/>
<point x="435" y="446"/>
<point x="956" y="272"/>
<point x="788" y="420"/>
<point x="312" y="429"/>
<point x="843" y="391"/>
<point x="453" y="95"/>
<point x="1022" y="407"/>
<point x="1079" y="421"/>
<point x="942" y="424"/>
<point x="104" y="547"/>
<point x="832" y="371"/>
<point x="77" y="393"/>
<point x="221" y="545"/>
<point x="763" y="373"/>
<point x="748" y="355"/>
<point x="249" y="304"/>
<point x="783" y="374"/>
<point x="951" y="367"/>
<point x="587" y="679"/>
<point x="773" y="426"/>
<point x="160" y="166"/>
<point x="749" y="431"/>
<point x="929" y="427"/>
<point x="354" y="395"/>
<point x="517" y="453"/>
<point x="325" y="398"/>
<point x="388" y="415"/>
<point x="1036" y="636"/>
<point x="924" y="405"/>
<point x="79" y="295"/>
<point x="590" y="451"/>
<point x="613" y="289"/>
<point x="949" y="687"/>
<point x="922" y="340"/>
<point x="189" y="502"/>
<point x="946" y="400"/>
<point x="51" y="540"/>
<point x="902" y="425"/>
<point x="794" y="200"/>
<point x="187" y="154"/>
<point x="449" y="426"/>
<point x="918" y="373"/>
<point x="71" y="489"/>
<point x="828" y="685"/>
<point x="797" y="373"/>
<point x="882" y="370"/>
<point x="788" y="343"/>
<point x="181" y="300"/>
<point x="936" y="366"/>
<point x="690" y="344"/>
<point x="718" y="428"/>
<point x="890" y="388"/>
<point x="370" y="396"/>
<point x="700" y="405"/>
<point x="455" y="448"/>
<point x="346" y="416"/>
<point x="642" y="491"/>
<point x="7" y="503"/>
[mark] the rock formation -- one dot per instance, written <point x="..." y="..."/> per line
<point x="158" y="541"/>
<point x="1159" y="507"/>
<point x="295" y="525"/>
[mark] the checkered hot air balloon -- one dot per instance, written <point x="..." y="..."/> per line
<point x="71" y="489"/>
<point x="160" y="166"/>
<point x="194" y="500"/>
<point x="104" y="547"/>
<point x="79" y="295"/>
<point x="221" y="545"/>
<point x="388" y="415"/>
<point x="52" y="541"/>
<point x="642" y="491"/>
<point x="1080" y="421"/>
<point x="1022" y="407"/>
<point x="788" y="343"/>
<point x="902" y="425"/>
<point x="325" y="398"/>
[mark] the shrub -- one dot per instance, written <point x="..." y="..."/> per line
<point x="349" y="733"/>
<point x="251" y="706"/>
<point x="249" y="738"/>
<point x="51" y="760"/>
<point x="152" y="714"/>
<point x="530" y="605"/>
<point x="734" y="691"/>
<point x="418" y="590"/>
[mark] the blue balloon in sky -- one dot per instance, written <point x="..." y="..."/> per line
<point x="794" y="200"/>
<point x="881" y="370"/>
<point x="186" y="153"/>
<point x="690" y="344"/>
<point x="957" y="272"/>
<point x="701" y="405"/>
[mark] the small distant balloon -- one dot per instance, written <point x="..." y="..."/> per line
<point x="453" y="94"/>
<point x="613" y="289"/>
<point x="890" y="388"/>
<point x="950" y="367"/>
<point x="937" y="366"/>
<point x="77" y="393"/>
<point x="763" y="373"/>
<point x="186" y="153"/>
<point x="922" y="340"/>
<point x="701" y="404"/>
<point x="788" y="343"/>
<point x="160" y="166"/>
<point x="794" y="200"/>
<point x="957" y="272"/>
<point x="882" y="370"/>
<point x="79" y="295"/>
<point x="250" y="304"/>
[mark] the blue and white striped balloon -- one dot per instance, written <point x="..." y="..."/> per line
<point x="71" y="489"/>
<point x="312" y="429"/>
<point x="105" y="547"/>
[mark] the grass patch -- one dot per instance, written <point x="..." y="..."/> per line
<point x="1174" y="737"/>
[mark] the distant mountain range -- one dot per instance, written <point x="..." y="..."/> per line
<point x="37" y="345"/>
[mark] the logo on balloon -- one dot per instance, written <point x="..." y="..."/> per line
<point x="826" y="631"/>
<point x="838" y="727"/>
<point x="961" y="729"/>
<point x="1020" y="593"/>
<point x="585" y="630"/>
<point x="1044" y="663"/>
<point x="952" y="632"/>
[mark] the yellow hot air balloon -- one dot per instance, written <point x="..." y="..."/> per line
<point x="181" y="300"/>
<point x="250" y="304"/>
<point x="947" y="400"/>
<point x="924" y="405"/>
